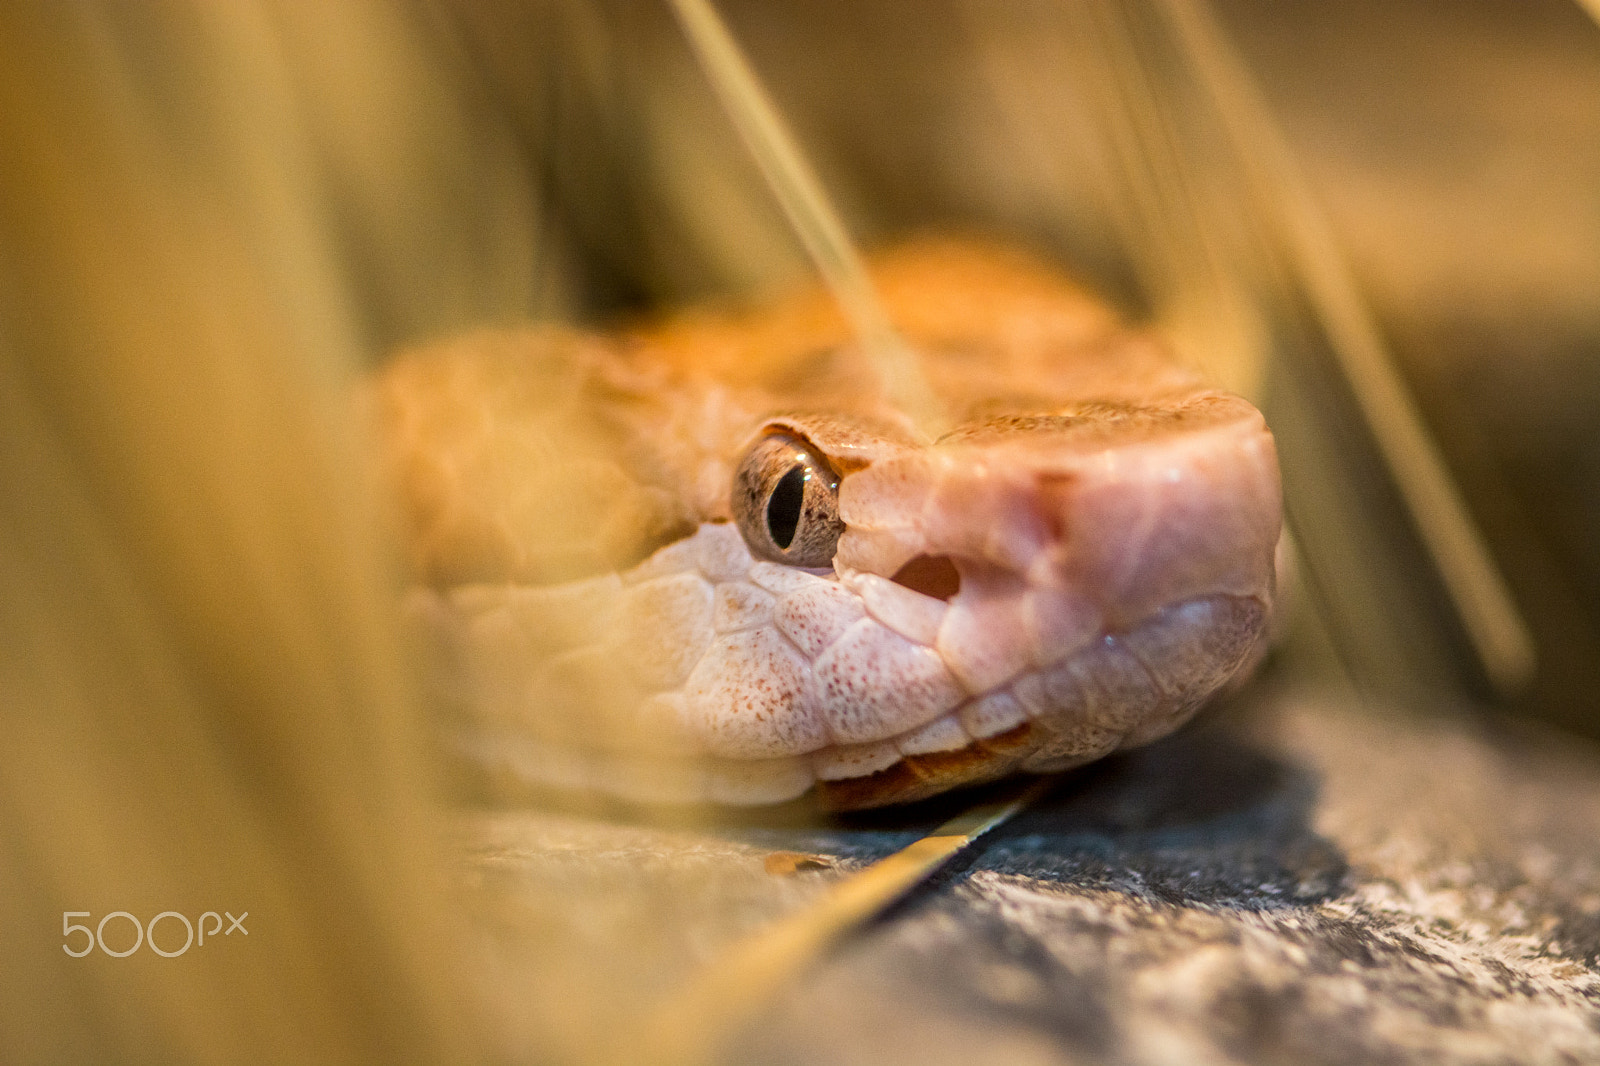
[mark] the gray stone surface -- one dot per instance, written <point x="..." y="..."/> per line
<point x="1301" y="881"/>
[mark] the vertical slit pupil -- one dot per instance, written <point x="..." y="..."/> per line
<point x="783" y="506"/>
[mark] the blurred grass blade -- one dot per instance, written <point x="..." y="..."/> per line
<point x="1474" y="583"/>
<point x="808" y="208"/>
<point x="694" y="1026"/>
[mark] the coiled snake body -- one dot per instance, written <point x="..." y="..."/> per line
<point x="703" y="562"/>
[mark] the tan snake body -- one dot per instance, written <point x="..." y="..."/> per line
<point x="1082" y="561"/>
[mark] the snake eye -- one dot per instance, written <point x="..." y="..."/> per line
<point x="786" y="502"/>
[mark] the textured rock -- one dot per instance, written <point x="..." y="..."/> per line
<point x="1299" y="883"/>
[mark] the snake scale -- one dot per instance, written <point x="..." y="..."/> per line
<point x="700" y="561"/>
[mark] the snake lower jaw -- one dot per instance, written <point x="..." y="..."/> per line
<point x="1120" y="691"/>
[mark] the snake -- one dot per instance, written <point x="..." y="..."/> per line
<point x="702" y="559"/>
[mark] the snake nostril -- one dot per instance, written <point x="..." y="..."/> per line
<point x="931" y="575"/>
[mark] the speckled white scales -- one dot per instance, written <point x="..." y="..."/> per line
<point x="1110" y="521"/>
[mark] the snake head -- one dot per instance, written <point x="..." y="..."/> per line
<point x="1053" y="584"/>
<point x="646" y="572"/>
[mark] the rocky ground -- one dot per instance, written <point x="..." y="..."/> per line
<point x="1299" y="881"/>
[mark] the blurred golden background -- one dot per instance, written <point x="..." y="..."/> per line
<point x="214" y="217"/>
